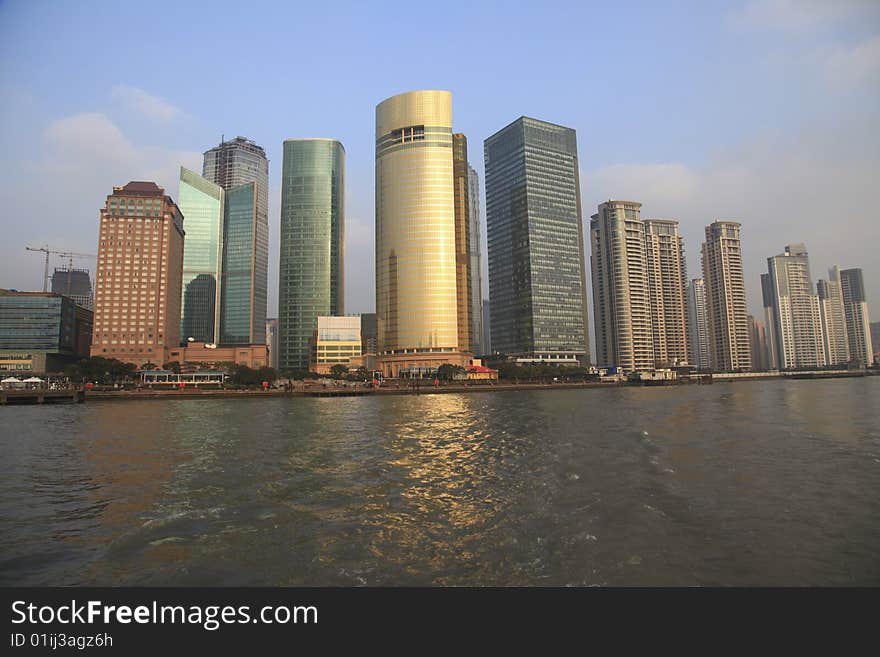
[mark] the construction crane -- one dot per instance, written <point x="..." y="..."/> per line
<point x="64" y="254"/>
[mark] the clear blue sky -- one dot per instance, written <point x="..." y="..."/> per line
<point x="764" y="111"/>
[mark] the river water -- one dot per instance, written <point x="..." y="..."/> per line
<point x="751" y="483"/>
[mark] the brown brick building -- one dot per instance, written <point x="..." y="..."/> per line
<point x="138" y="280"/>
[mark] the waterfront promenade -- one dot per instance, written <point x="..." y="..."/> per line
<point x="349" y="389"/>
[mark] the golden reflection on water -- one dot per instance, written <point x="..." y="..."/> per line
<point x="442" y="453"/>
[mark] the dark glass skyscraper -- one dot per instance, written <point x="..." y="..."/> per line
<point x="74" y="283"/>
<point x="311" y="277"/>
<point x="478" y="344"/>
<point x="535" y="242"/>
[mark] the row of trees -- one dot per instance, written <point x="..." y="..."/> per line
<point x="541" y="372"/>
<point x="107" y="371"/>
<point x="110" y="370"/>
<point x="248" y="376"/>
<point x="102" y="370"/>
<point x="338" y="372"/>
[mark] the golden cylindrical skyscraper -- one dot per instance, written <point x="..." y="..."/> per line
<point x="416" y="303"/>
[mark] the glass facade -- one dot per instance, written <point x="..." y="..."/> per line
<point x="201" y="203"/>
<point x="336" y="341"/>
<point x="237" y="280"/>
<point x="416" y="292"/>
<point x="462" y="239"/>
<point x="231" y="164"/>
<point x="74" y="283"/>
<point x="369" y="333"/>
<point x="311" y="276"/>
<point x="37" y="322"/>
<point x="535" y="242"/>
<point x="477" y="343"/>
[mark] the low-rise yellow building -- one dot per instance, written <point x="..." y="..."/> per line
<point x="337" y="341"/>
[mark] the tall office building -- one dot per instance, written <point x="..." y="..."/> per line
<point x="621" y="294"/>
<point x="833" y="318"/>
<point x="461" y="183"/>
<point x="855" y="307"/>
<point x="41" y="332"/>
<point x="272" y="341"/>
<point x="667" y="287"/>
<point x="74" y="283"/>
<point x="698" y="326"/>
<point x="311" y="276"/>
<point x="416" y="285"/>
<point x="758" y="344"/>
<point x="138" y="281"/>
<point x="796" y="330"/>
<point x="201" y="203"/>
<point x="725" y="297"/>
<point x="487" y="328"/>
<point x="537" y="277"/>
<point x="220" y="262"/>
<point x="242" y="309"/>
<point x="477" y="344"/>
<point x="369" y="336"/>
<point x="231" y="165"/>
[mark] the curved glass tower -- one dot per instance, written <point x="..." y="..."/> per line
<point x="416" y="304"/>
<point x="311" y="278"/>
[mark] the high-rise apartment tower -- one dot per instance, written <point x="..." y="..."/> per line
<point x="796" y="328"/>
<point x="621" y="292"/>
<point x="667" y="286"/>
<point x="833" y="317"/>
<point x="729" y="347"/>
<point x="698" y="326"/>
<point x="855" y="306"/>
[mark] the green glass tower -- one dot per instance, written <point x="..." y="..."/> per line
<point x="311" y="277"/>
<point x="238" y="314"/>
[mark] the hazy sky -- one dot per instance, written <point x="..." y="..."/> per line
<point x="765" y="112"/>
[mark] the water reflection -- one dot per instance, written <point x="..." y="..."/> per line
<point x="739" y="483"/>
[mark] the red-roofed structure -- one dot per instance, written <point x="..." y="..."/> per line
<point x="481" y="373"/>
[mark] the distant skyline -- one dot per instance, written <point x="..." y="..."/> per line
<point x="763" y="112"/>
